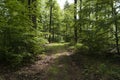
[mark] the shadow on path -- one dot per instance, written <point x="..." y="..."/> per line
<point x="58" y="66"/>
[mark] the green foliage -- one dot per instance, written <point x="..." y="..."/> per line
<point x="19" y="41"/>
<point x="97" y="43"/>
<point x="97" y="67"/>
<point x="68" y="22"/>
<point x="53" y="28"/>
<point x="109" y="72"/>
<point x="103" y="72"/>
<point x="56" y="47"/>
<point x="80" y="48"/>
<point x="96" y="24"/>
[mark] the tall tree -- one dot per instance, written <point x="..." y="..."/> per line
<point x="50" y="21"/>
<point x="68" y="28"/>
<point x="32" y="6"/>
<point x="114" y="14"/>
<point x="75" y="22"/>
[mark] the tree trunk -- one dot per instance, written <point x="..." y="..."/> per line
<point x="66" y="32"/>
<point x="53" y="34"/>
<point x="50" y="22"/>
<point x="32" y="16"/>
<point x="34" y="19"/>
<point x="75" y="22"/>
<point x="114" y="13"/>
<point x="80" y="17"/>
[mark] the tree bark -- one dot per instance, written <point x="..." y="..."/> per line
<point x="50" y="22"/>
<point x="75" y="22"/>
<point x="32" y="16"/>
<point x="80" y="16"/>
<point x="114" y="14"/>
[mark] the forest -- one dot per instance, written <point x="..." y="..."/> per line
<point x="41" y="41"/>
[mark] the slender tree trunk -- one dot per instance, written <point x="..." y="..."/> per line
<point x="116" y="36"/>
<point x="114" y="13"/>
<point x="32" y="16"/>
<point x="53" y="34"/>
<point x="66" y="32"/>
<point x="96" y="11"/>
<point x="50" y="21"/>
<point x="80" y="16"/>
<point x="29" y="3"/>
<point x="75" y="22"/>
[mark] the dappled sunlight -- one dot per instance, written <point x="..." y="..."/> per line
<point x="59" y="40"/>
<point x="57" y="55"/>
<point x="46" y="67"/>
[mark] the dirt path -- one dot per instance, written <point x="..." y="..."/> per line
<point x="47" y="67"/>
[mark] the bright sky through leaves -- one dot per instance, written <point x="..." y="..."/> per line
<point x="62" y="2"/>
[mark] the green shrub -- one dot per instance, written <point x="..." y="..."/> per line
<point x="80" y="48"/>
<point x="19" y="41"/>
<point x="109" y="72"/>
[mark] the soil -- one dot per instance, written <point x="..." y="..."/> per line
<point x="58" y="66"/>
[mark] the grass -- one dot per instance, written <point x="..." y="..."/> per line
<point x="97" y="67"/>
<point x="62" y="69"/>
<point x="91" y="66"/>
<point x="77" y="66"/>
<point x="56" y="47"/>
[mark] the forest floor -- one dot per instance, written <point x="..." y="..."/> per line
<point x="61" y="63"/>
<point x="55" y="65"/>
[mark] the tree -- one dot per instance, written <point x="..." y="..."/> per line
<point x="32" y="11"/>
<point x="75" y="21"/>
<point x="114" y="14"/>
<point x="95" y="24"/>
<point x="19" y="40"/>
<point x="68" y="28"/>
<point x="50" y="23"/>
